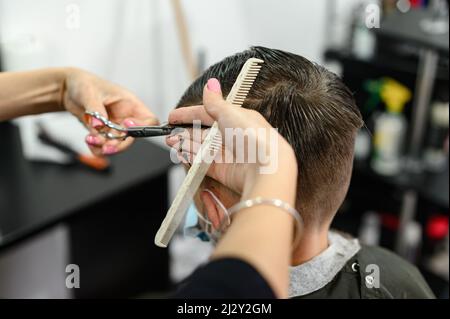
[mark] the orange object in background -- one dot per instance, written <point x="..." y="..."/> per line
<point x="97" y="163"/>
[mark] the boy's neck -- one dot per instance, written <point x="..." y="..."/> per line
<point x="313" y="243"/>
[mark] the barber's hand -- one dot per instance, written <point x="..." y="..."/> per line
<point x="84" y="91"/>
<point x="215" y="108"/>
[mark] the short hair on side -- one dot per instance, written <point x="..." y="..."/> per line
<point x="311" y="108"/>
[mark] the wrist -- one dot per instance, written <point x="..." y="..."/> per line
<point x="55" y="79"/>
<point x="62" y="76"/>
<point x="48" y="85"/>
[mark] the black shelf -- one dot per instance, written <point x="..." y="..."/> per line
<point x="432" y="187"/>
<point x="382" y="63"/>
<point x="406" y="27"/>
<point x="400" y="45"/>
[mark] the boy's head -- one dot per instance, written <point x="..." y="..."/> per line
<point x="312" y="109"/>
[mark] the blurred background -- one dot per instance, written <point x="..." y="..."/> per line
<point x="393" y="54"/>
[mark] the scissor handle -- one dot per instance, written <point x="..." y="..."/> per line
<point x="105" y="121"/>
<point x="135" y="131"/>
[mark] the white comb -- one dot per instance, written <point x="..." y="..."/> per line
<point x="210" y="146"/>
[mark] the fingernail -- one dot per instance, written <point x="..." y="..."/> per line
<point x="129" y="123"/>
<point x="92" y="140"/>
<point x="109" y="149"/>
<point x="172" y="138"/>
<point x="96" y="123"/>
<point x="213" y="85"/>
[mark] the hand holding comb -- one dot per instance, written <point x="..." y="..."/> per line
<point x="211" y="145"/>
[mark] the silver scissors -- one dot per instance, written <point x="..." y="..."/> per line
<point x="114" y="131"/>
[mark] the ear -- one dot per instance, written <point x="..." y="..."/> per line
<point x="211" y="209"/>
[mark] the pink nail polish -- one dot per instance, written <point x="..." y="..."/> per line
<point x="109" y="150"/>
<point x="92" y="140"/>
<point x="129" y="123"/>
<point x="96" y="123"/>
<point x="213" y="85"/>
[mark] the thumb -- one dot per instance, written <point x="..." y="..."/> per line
<point x="213" y="99"/>
<point x="133" y="121"/>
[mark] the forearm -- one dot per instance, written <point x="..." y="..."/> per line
<point x="262" y="235"/>
<point x="31" y="92"/>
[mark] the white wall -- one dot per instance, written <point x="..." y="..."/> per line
<point x="134" y="43"/>
<point x="225" y="27"/>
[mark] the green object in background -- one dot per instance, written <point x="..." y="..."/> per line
<point x="373" y="87"/>
<point x="389" y="91"/>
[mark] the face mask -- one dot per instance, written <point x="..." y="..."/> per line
<point x="197" y="225"/>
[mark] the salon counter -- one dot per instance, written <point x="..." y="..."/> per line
<point x="111" y="217"/>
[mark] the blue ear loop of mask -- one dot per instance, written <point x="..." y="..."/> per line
<point x="192" y="227"/>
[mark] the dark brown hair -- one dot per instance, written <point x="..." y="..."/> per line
<point x="312" y="109"/>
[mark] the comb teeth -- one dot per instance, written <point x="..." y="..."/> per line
<point x="244" y="83"/>
<point x="216" y="143"/>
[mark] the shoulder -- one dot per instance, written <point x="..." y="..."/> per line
<point x="398" y="277"/>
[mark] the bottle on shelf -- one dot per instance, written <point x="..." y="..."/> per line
<point x="435" y="156"/>
<point x="412" y="242"/>
<point x="370" y="229"/>
<point x="390" y="128"/>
